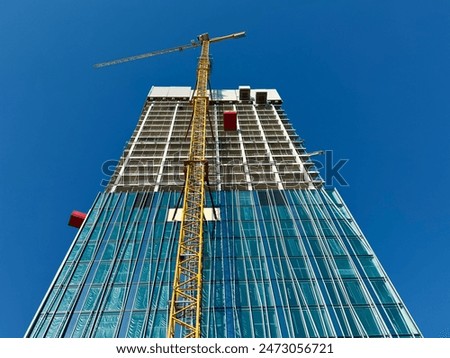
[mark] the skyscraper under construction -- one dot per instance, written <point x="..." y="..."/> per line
<point x="226" y="232"/>
<point x="282" y="254"/>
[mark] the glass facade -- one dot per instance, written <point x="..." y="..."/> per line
<point x="289" y="263"/>
<point x="284" y="259"/>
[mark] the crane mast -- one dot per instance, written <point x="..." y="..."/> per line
<point x="185" y="305"/>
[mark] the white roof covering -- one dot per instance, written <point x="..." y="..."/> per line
<point x="225" y="95"/>
<point x="170" y="92"/>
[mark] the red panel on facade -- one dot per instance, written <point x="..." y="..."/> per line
<point x="230" y="120"/>
<point x="76" y="219"/>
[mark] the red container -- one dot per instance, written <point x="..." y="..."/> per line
<point x="76" y="219"/>
<point x="230" y="120"/>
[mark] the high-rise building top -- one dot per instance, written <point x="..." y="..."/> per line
<point x="284" y="257"/>
<point x="264" y="152"/>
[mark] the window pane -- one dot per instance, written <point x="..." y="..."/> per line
<point x="307" y="292"/>
<point x="370" y="266"/>
<point x="293" y="247"/>
<point x="107" y="325"/>
<point x="91" y="298"/>
<point x="115" y="298"/>
<point x="308" y="227"/>
<point x="246" y="213"/>
<point x="332" y="292"/>
<point x="67" y="299"/>
<point x="81" y="324"/>
<point x="344" y="267"/>
<point x="122" y="273"/>
<point x="54" y="327"/>
<point x="283" y="212"/>
<point x="136" y="325"/>
<point x="298" y="322"/>
<point x="315" y="247"/>
<point x="401" y="321"/>
<point x="101" y="273"/>
<point x="355" y="292"/>
<point x="384" y="292"/>
<point x="141" y="300"/>
<point x="335" y="247"/>
<point x="79" y="274"/>
<point x="258" y="325"/>
<point x="88" y="252"/>
<point x="323" y="267"/>
<point x="368" y="320"/>
<point x="359" y="246"/>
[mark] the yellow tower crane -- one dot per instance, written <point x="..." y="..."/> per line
<point x="185" y="305"/>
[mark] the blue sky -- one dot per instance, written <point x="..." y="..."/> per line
<point x="369" y="80"/>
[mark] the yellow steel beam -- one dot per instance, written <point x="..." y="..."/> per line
<point x="185" y="305"/>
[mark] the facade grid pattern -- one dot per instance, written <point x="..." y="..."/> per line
<point x="285" y="259"/>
